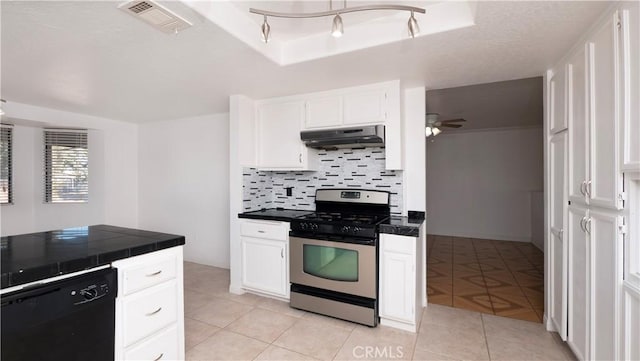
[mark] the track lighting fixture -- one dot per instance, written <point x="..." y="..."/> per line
<point x="414" y="28"/>
<point x="266" y="29"/>
<point x="337" y="28"/>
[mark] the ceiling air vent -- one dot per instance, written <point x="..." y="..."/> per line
<point x="156" y="15"/>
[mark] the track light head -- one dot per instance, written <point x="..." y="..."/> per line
<point x="266" y="30"/>
<point x="428" y="132"/>
<point x="414" y="28"/>
<point x="436" y="131"/>
<point x="337" y="29"/>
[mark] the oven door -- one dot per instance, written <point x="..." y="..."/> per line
<point x="349" y="268"/>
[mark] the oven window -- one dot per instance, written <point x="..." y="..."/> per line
<point x="332" y="263"/>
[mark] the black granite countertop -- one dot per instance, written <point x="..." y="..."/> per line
<point x="30" y="257"/>
<point x="275" y="214"/>
<point x="404" y="226"/>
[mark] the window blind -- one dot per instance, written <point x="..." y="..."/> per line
<point x="66" y="166"/>
<point x="6" y="166"/>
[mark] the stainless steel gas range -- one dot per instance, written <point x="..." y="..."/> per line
<point x="333" y="263"/>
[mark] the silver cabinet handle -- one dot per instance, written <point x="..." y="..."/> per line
<point x="154" y="312"/>
<point x="583" y="187"/>
<point x="588" y="189"/>
<point x="154" y="273"/>
<point x="159" y="357"/>
<point x="582" y="223"/>
<point x="587" y="225"/>
<point x="282" y="253"/>
<point x="259" y="231"/>
<point x="300" y="157"/>
<point x="561" y="233"/>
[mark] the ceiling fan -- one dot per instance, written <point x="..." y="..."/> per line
<point x="433" y="124"/>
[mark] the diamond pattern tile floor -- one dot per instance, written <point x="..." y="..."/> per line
<point x="495" y="277"/>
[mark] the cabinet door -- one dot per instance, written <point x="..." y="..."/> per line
<point x="558" y="253"/>
<point x="605" y="275"/>
<point x="604" y="168"/>
<point x="630" y="51"/>
<point x="365" y="107"/>
<point x="557" y="96"/>
<point x="279" y="141"/>
<point x="264" y="266"/>
<point x="397" y="286"/>
<point x="578" y="292"/>
<point x="323" y="112"/>
<point x="578" y="126"/>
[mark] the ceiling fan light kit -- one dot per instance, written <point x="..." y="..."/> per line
<point x="337" y="28"/>
<point x="433" y="124"/>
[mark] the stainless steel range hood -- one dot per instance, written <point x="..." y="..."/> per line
<point x="366" y="136"/>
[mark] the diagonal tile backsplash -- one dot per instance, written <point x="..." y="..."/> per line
<point x="342" y="168"/>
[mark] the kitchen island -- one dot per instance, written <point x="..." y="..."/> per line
<point x="147" y="305"/>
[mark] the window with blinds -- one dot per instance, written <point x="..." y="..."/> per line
<point x="6" y="168"/>
<point x="66" y="166"/>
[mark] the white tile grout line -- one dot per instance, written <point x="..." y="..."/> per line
<point x="486" y="339"/>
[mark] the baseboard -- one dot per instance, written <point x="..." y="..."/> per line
<point x="236" y="290"/>
<point x="497" y="237"/>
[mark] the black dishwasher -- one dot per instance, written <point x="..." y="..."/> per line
<point x="71" y="319"/>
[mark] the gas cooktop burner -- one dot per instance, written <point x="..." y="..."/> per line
<point x="365" y="219"/>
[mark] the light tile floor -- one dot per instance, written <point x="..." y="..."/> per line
<point x="224" y="326"/>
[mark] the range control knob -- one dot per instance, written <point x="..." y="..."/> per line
<point x="314" y="226"/>
<point x="345" y="229"/>
<point x="356" y="229"/>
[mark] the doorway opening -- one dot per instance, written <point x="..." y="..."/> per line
<point x="485" y="219"/>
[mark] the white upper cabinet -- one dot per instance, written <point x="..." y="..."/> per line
<point x="605" y="182"/>
<point x="365" y="107"/>
<point x="279" y="144"/>
<point x="558" y="101"/>
<point x="578" y="126"/>
<point x="324" y="112"/>
<point x="630" y="51"/>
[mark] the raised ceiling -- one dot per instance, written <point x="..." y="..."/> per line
<point x="90" y="57"/>
<point x="506" y="104"/>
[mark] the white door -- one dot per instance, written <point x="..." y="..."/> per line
<point x="397" y="286"/>
<point x="606" y="278"/>
<point x="264" y="265"/>
<point x="558" y="104"/>
<point x="324" y="112"/>
<point x="279" y="141"/>
<point x="604" y="168"/>
<point x="578" y="126"/>
<point x="558" y="252"/>
<point x="630" y="72"/>
<point x="578" y="292"/>
<point x="365" y="107"/>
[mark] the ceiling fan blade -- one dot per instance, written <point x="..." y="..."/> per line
<point x="452" y="120"/>
<point x="451" y="125"/>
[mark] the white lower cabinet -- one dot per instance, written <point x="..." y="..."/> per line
<point x="578" y="292"/>
<point x="265" y="257"/>
<point x="163" y="346"/>
<point x="150" y="307"/>
<point x="400" y="293"/>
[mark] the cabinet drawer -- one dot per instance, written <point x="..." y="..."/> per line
<point x="264" y="229"/>
<point x="163" y="346"/>
<point x="149" y="311"/>
<point x="149" y="274"/>
<point x="399" y="244"/>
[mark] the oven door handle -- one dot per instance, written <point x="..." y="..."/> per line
<point x="347" y="240"/>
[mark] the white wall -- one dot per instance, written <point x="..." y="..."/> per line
<point x="112" y="173"/>
<point x="480" y="184"/>
<point x="184" y="184"/>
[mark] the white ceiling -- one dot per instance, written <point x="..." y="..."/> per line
<point x="513" y="103"/>
<point x="89" y="57"/>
